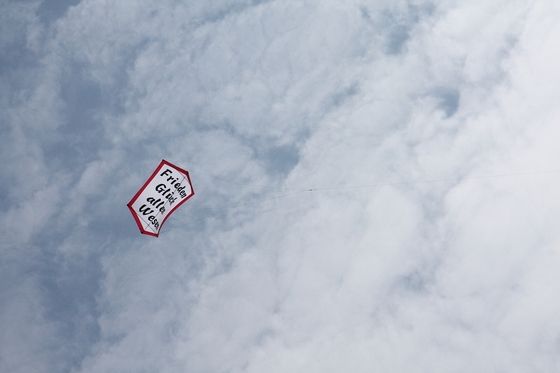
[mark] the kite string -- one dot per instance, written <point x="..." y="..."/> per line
<point x="303" y="190"/>
<point x="221" y="209"/>
<point x="254" y="203"/>
<point x="436" y="180"/>
<point x="390" y="183"/>
<point x="246" y="184"/>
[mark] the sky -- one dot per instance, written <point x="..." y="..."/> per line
<point x="376" y="186"/>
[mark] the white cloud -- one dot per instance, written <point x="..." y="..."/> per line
<point x="263" y="102"/>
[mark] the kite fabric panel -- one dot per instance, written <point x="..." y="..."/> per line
<point x="167" y="189"/>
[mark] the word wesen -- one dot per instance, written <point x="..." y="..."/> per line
<point x="167" y="194"/>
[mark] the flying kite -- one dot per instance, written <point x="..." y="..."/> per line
<point x="167" y="189"/>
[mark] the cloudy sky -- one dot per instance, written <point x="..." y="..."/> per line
<point x="376" y="186"/>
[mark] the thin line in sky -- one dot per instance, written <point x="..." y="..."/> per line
<point x="303" y="190"/>
<point x="312" y="189"/>
<point x="435" y="180"/>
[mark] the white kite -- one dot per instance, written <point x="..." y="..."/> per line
<point x="167" y="189"/>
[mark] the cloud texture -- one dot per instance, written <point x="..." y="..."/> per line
<point x="376" y="186"/>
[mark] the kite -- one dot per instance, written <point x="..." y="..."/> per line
<point x="167" y="189"/>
